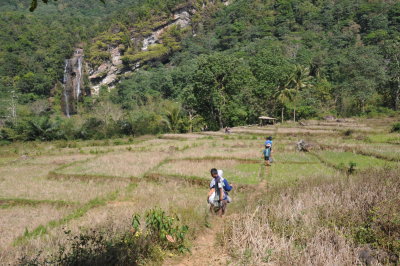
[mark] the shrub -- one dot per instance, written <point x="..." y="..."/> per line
<point x="396" y="127"/>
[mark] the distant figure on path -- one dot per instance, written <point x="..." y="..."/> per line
<point x="267" y="154"/>
<point x="268" y="141"/>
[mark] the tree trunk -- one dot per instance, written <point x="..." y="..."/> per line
<point x="190" y="122"/>
<point x="397" y="95"/>
<point x="282" y="114"/>
<point x="294" y="114"/>
<point x="221" y="125"/>
<point x="13" y="108"/>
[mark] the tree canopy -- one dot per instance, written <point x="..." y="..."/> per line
<point x="288" y="58"/>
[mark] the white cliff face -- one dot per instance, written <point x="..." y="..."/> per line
<point x="116" y="57"/>
<point x="107" y="73"/>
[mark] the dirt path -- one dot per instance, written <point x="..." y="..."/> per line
<point x="206" y="244"/>
<point x="204" y="248"/>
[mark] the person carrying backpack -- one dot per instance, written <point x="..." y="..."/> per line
<point x="216" y="196"/>
<point x="227" y="186"/>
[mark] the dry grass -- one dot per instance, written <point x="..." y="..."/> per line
<point x="191" y="136"/>
<point x="14" y="221"/>
<point x="235" y="171"/>
<point x="121" y="164"/>
<point x="53" y="159"/>
<point x="318" y="223"/>
<point x="214" y="151"/>
<point x="309" y="214"/>
<point x="30" y="182"/>
<point x="182" y="199"/>
<point x="282" y="130"/>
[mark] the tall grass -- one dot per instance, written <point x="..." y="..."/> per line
<point x="339" y="221"/>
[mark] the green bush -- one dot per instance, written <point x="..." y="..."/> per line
<point x="396" y="127"/>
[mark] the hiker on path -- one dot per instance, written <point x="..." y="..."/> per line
<point x="267" y="154"/>
<point x="216" y="196"/>
<point x="227" y="186"/>
<point x="268" y="141"/>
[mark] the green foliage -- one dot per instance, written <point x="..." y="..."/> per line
<point x="290" y="59"/>
<point x="220" y="84"/>
<point x="161" y="233"/>
<point x="396" y="127"/>
<point x="165" y="231"/>
<point x="352" y="168"/>
<point x="34" y="4"/>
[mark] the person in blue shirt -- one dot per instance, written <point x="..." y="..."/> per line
<point x="226" y="186"/>
<point x="267" y="154"/>
<point x="218" y="194"/>
<point x="268" y="142"/>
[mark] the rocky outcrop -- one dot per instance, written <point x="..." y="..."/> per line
<point x="180" y="17"/>
<point x="73" y="86"/>
<point x="109" y="72"/>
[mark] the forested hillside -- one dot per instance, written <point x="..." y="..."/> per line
<point x="235" y="61"/>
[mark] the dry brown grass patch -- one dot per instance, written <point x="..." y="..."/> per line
<point x="121" y="164"/>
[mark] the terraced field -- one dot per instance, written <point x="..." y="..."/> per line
<point x="47" y="188"/>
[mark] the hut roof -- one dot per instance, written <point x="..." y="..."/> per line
<point x="266" y="118"/>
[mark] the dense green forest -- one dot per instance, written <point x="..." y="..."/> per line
<point x="285" y="58"/>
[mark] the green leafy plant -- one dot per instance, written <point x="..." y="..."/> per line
<point x="165" y="231"/>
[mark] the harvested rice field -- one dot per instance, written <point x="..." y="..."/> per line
<point x="52" y="192"/>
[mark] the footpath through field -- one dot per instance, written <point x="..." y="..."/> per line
<point x="206" y="245"/>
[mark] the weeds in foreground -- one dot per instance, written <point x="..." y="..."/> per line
<point x="161" y="234"/>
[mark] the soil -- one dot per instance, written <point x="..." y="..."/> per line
<point x="204" y="248"/>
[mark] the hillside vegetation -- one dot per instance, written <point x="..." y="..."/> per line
<point x="237" y="60"/>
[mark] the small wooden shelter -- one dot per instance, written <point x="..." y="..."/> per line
<point x="266" y="120"/>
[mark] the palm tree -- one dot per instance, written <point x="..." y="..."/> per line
<point x="284" y="96"/>
<point x="173" y="117"/>
<point x="298" y="80"/>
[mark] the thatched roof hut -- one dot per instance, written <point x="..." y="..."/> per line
<point x="265" y="120"/>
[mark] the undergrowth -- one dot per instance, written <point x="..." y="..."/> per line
<point x="160" y="236"/>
